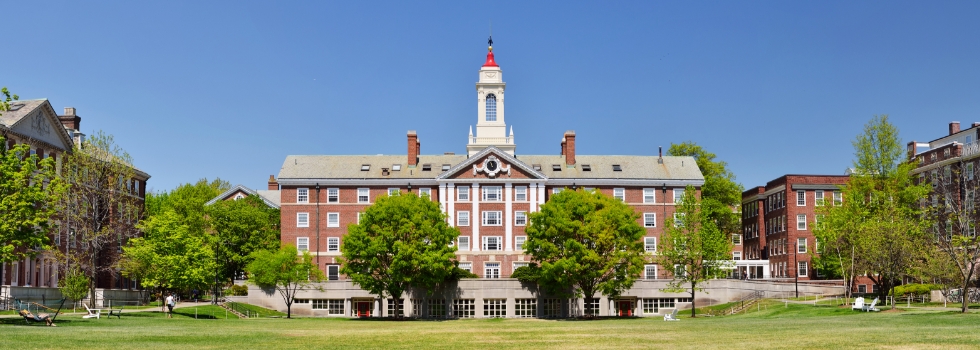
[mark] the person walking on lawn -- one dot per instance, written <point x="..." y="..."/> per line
<point x="171" y="301"/>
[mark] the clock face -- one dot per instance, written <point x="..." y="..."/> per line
<point x="492" y="165"/>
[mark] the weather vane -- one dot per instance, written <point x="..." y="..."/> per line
<point x="490" y="40"/>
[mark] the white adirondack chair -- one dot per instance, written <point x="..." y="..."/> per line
<point x="97" y="313"/>
<point x="858" y="304"/>
<point x="671" y="316"/>
<point x="871" y="307"/>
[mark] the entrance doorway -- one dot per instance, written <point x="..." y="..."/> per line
<point x="624" y="308"/>
<point x="363" y="308"/>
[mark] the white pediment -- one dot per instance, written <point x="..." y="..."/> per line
<point x="43" y="125"/>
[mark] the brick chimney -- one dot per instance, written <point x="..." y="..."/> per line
<point x="414" y="147"/>
<point x="273" y="184"/>
<point x="568" y="147"/>
<point x="70" y="120"/>
<point x="954" y="127"/>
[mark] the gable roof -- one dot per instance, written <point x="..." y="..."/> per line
<point x="349" y="167"/>
<point x="270" y="197"/>
<point x="504" y="156"/>
<point x="21" y="109"/>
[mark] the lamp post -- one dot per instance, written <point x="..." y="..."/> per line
<point x="409" y="187"/>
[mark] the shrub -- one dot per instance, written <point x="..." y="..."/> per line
<point x="237" y="290"/>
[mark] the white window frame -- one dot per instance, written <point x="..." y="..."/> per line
<point x="498" y="245"/>
<point x="464" y="244"/>
<point x="650" y="244"/>
<point x="800" y="198"/>
<point x="488" y="219"/>
<point x="649" y="219"/>
<point x="736" y="255"/>
<point x="462" y="218"/>
<point x="838" y="198"/>
<point x="425" y="191"/>
<point x="801" y="222"/>
<point x="801" y="249"/>
<point x="646" y="272"/>
<point x="303" y="244"/>
<point x="818" y="198"/>
<point x="736" y="239"/>
<point x="520" y="194"/>
<point x="333" y="195"/>
<point x="969" y="171"/>
<point x="519" y="243"/>
<point x="333" y="219"/>
<point x="649" y="195"/>
<point x="359" y="214"/>
<point x="620" y="194"/>
<point x="392" y="191"/>
<point x="333" y="244"/>
<point x="491" y="269"/>
<point x="302" y="219"/>
<point x="492" y="193"/>
<point x="334" y="267"/>
<point x="466" y="265"/>
<point x="517" y="264"/>
<point x="364" y="192"/>
<point x="520" y="218"/>
<point x="678" y="195"/>
<point x="802" y="268"/>
<point x="302" y="195"/>
<point x="463" y="194"/>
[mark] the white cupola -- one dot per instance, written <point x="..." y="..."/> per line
<point x="490" y="127"/>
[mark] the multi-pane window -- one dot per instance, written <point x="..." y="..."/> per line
<point x="302" y="243"/>
<point x="519" y="243"/>
<point x="620" y="194"/>
<point x="801" y="222"/>
<point x="802" y="269"/>
<point x="557" y="190"/>
<point x="650" y="219"/>
<point x="520" y="218"/>
<point x="525" y="308"/>
<point x="678" y="219"/>
<point x="492" y="193"/>
<point x="736" y="239"/>
<point x="494" y="307"/>
<point x="425" y="192"/>
<point x="464" y="243"/>
<point x="468" y="266"/>
<point x="551" y="308"/>
<point x="969" y="171"/>
<point x="364" y="195"/>
<point x="736" y="255"/>
<point x="333" y="306"/>
<point x="333" y="195"/>
<point x="520" y="193"/>
<point x="591" y="306"/>
<point x="462" y="194"/>
<point x="333" y="219"/>
<point x="392" y="312"/>
<point x="946" y="174"/>
<point x="464" y="308"/>
<point x="818" y="197"/>
<point x="392" y="191"/>
<point x="801" y="245"/>
<point x="333" y="272"/>
<point x="491" y="270"/>
<point x="302" y="219"/>
<point x="649" y="195"/>
<point x="302" y="195"/>
<point x="333" y="244"/>
<point x="462" y="218"/>
<point x="650" y="244"/>
<point x="678" y="195"/>
<point x="838" y="198"/>
<point x="491" y="108"/>
<point x="519" y="264"/>
<point x="492" y="243"/>
<point x="492" y="218"/>
<point x="650" y="272"/>
<point x="800" y="198"/>
<point x="437" y="308"/>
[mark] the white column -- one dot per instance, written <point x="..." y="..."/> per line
<point x="377" y="308"/>
<point x="451" y="204"/>
<point x="508" y="214"/>
<point x="442" y="201"/>
<point x="532" y="196"/>
<point x="540" y="195"/>
<point x="476" y="219"/>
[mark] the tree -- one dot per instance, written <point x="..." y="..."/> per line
<point x="952" y="210"/>
<point x="284" y="270"/>
<point x="74" y="284"/>
<point x="101" y="208"/>
<point x="29" y="194"/>
<point x="169" y="256"/>
<point x="239" y="228"/>
<point x="402" y="241"/>
<point x="720" y="194"/>
<point x="694" y="247"/>
<point x="583" y="243"/>
<point x="878" y="219"/>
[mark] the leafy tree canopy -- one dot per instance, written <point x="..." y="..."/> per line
<point x="29" y="194"/>
<point x="169" y="256"/>
<point x="285" y="271"/>
<point x="241" y="227"/>
<point x="720" y="193"/>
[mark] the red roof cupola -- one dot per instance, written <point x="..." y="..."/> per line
<point x="490" y="62"/>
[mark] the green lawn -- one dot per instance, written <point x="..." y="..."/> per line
<point x="774" y="326"/>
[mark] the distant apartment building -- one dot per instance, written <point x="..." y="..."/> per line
<point x="949" y="163"/>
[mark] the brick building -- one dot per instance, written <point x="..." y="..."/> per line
<point x="777" y="222"/>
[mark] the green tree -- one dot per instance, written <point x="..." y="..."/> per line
<point x="720" y="194"/>
<point x="29" y="194"/>
<point x="285" y="271"/>
<point x="74" y="284"/>
<point x="402" y="241"/>
<point x="169" y="256"/>
<point x="692" y="248"/>
<point x="878" y="221"/>
<point x="239" y="228"/>
<point x="583" y="243"/>
<point x="5" y="98"/>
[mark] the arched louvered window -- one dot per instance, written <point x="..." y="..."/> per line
<point x="491" y="108"/>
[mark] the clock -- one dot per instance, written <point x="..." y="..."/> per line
<point x="492" y="165"/>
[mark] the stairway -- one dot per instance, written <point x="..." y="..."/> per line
<point x="232" y="310"/>
<point x="747" y="302"/>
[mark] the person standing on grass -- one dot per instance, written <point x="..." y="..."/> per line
<point x="170" y="305"/>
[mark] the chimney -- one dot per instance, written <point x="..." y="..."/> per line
<point x="273" y="184"/>
<point x="912" y="148"/>
<point x="413" y="148"/>
<point x="568" y="147"/>
<point x="954" y="127"/>
<point x="661" y="150"/>
<point x="70" y="120"/>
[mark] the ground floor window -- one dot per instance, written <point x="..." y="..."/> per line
<point x="464" y="308"/>
<point x="391" y="308"/>
<point x="592" y="306"/>
<point x="494" y="307"/>
<point x="491" y="270"/>
<point x="525" y="307"/>
<point x="654" y="305"/>
<point x="862" y="288"/>
<point x="333" y="306"/>
<point x="551" y="308"/>
<point x="437" y="308"/>
<point x="417" y="307"/>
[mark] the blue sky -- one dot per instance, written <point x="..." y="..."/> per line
<point x="228" y="89"/>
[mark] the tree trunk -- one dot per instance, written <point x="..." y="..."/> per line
<point x="289" y="310"/>
<point x="693" y="308"/>
<point x="966" y="296"/>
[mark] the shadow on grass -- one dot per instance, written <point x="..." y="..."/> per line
<point x="11" y="321"/>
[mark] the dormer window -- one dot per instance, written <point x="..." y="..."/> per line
<point x="445" y="167"/>
<point x="426" y="167"/>
<point x="365" y="167"/>
<point x="536" y="167"/>
<point x="556" y="167"/>
<point x="586" y="167"/>
<point x="617" y="167"/>
<point x="396" y="167"/>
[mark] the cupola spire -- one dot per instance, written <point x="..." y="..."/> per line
<point x="490" y="62"/>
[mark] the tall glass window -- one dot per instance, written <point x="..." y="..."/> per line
<point x="491" y="108"/>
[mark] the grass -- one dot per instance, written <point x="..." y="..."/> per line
<point x="775" y="325"/>
<point x="256" y="311"/>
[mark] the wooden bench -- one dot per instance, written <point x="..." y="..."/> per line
<point x="115" y="311"/>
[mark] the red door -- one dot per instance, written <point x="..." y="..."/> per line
<point x="625" y="307"/>
<point x="364" y="309"/>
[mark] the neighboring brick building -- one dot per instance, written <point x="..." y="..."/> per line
<point x="777" y="223"/>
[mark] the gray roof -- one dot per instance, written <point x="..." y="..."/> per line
<point x="19" y="110"/>
<point x="270" y="197"/>
<point x="349" y="167"/>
